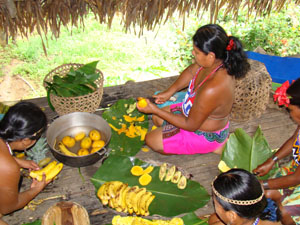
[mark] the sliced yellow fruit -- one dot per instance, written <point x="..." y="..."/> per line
<point x="137" y="171"/>
<point x="145" y="179"/>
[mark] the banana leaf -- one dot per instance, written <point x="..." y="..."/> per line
<point x="169" y="200"/>
<point x="242" y="151"/>
<point x="193" y="219"/>
<point x="120" y="143"/>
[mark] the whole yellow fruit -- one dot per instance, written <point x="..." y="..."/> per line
<point x="95" y="135"/>
<point x="68" y="141"/>
<point x="86" y="143"/>
<point x="95" y="150"/>
<point x="142" y="103"/>
<point x="98" y="144"/>
<point x="79" y="136"/>
<point x="83" y="151"/>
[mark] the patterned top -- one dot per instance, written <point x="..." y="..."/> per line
<point x="296" y="153"/>
<point x="191" y="92"/>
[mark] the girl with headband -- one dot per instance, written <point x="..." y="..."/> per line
<point x="239" y="198"/>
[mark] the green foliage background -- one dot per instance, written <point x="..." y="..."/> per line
<point x="162" y="52"/>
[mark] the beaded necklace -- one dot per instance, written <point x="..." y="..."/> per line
<point x="9" y="148"/>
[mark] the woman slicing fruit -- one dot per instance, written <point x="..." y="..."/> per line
<point x="284" y="187"/>
<point x="20" y="128"/>
<point x="200" y="124"/>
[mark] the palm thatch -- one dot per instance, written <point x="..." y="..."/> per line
<point x="21" y="17"/>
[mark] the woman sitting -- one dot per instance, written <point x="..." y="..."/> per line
<point x="20" y="128"/>
<point x="239" y="198"/>
<point x="200" y="124"/>
<point x="284" y="187"/>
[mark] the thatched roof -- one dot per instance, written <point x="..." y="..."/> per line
<point x="21" y="17"/>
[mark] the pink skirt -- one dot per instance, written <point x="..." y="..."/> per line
<point x="183" y="142"/>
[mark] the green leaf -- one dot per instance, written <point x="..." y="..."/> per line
<point x="89" y="68"/>
<point x="193" y="219"/>
<point x="37" y="222"/>
<point x="57" y="79"/>
<point x="169" y="200"/>
<point x="244" y="152"/>
<point x="121" y="144"/>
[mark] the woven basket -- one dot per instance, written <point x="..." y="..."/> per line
<point x="252" y="93"/>
<point x="84" y="103"/>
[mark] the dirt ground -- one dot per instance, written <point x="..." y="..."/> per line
<point x="13" y="88"/>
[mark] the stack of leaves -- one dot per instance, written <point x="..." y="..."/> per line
<point x="129" y="127"/>
<point x="75" y="83"/>
<point x="242" y="151"/>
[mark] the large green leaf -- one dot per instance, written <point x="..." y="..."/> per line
<point x="193" y="219"/>
<point x="169" y="201"/>
<point x="120" y="143"/>
<point x="244" y="152"/>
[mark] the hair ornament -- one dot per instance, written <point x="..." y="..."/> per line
<point x="280" y="94"/>
<point x="237" y="202"/>
<point x="231" y="45"/>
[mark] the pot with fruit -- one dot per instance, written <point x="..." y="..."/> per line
<point x="78" y="139"/>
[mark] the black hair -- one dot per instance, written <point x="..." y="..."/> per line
<point x="23" y="120"/>
<point x="294" y="92"/>
<point x="213" y="38"/>
<point x="239" y="184"/>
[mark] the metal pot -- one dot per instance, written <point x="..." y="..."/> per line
<point x="70" y="124"/>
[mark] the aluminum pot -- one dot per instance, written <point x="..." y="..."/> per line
<point x="70" y="124"/>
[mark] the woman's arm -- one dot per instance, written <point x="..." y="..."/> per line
<point x="283" y="151"/>
<point x="206" y="101"/>
<point x="10" y="198"/>
<point x="181" y="83"/>
<point x="285" y="181"/>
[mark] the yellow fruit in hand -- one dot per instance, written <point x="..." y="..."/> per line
<point x="142" y="103"/>
<point x="83" y="151"/>
<point x="86" y="143"/>
<point x="95" y="135"/>
<point x="79" y="136"/>
<point x="98" y="144"/>
<point x="68" y="141"/>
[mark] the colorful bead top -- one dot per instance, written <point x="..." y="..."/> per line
<point x="191" y="92"/>
<point x="296" y="153"/>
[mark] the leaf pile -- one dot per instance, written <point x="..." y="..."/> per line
<point x="75" y="83"/>
<point x="169" y="201"/>
<point x="120" y="143"/>
<point x="242" y="151"/>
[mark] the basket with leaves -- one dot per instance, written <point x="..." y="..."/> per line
<point x="74" y="88"/>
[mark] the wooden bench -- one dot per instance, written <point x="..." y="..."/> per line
<point x="275" y="124"/>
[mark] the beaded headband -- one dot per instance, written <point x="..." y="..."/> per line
<point x="236" y="202"/>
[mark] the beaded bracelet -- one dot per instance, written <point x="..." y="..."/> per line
<point x="275" y="158"/>
<point x="265" y="184"/>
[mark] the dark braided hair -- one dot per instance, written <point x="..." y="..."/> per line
<point x="213" y="38"/>
<point x="239" y="184"/>
<point x="294" y="92"/>
<point x="23" y="120"/>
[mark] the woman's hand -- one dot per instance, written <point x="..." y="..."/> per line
<point x="40" y="185"/>
<point x="162" y="97"/>
<point x="264" y="168"/>
<point x="148" y="109"/>
<point x="27" y="164"/>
